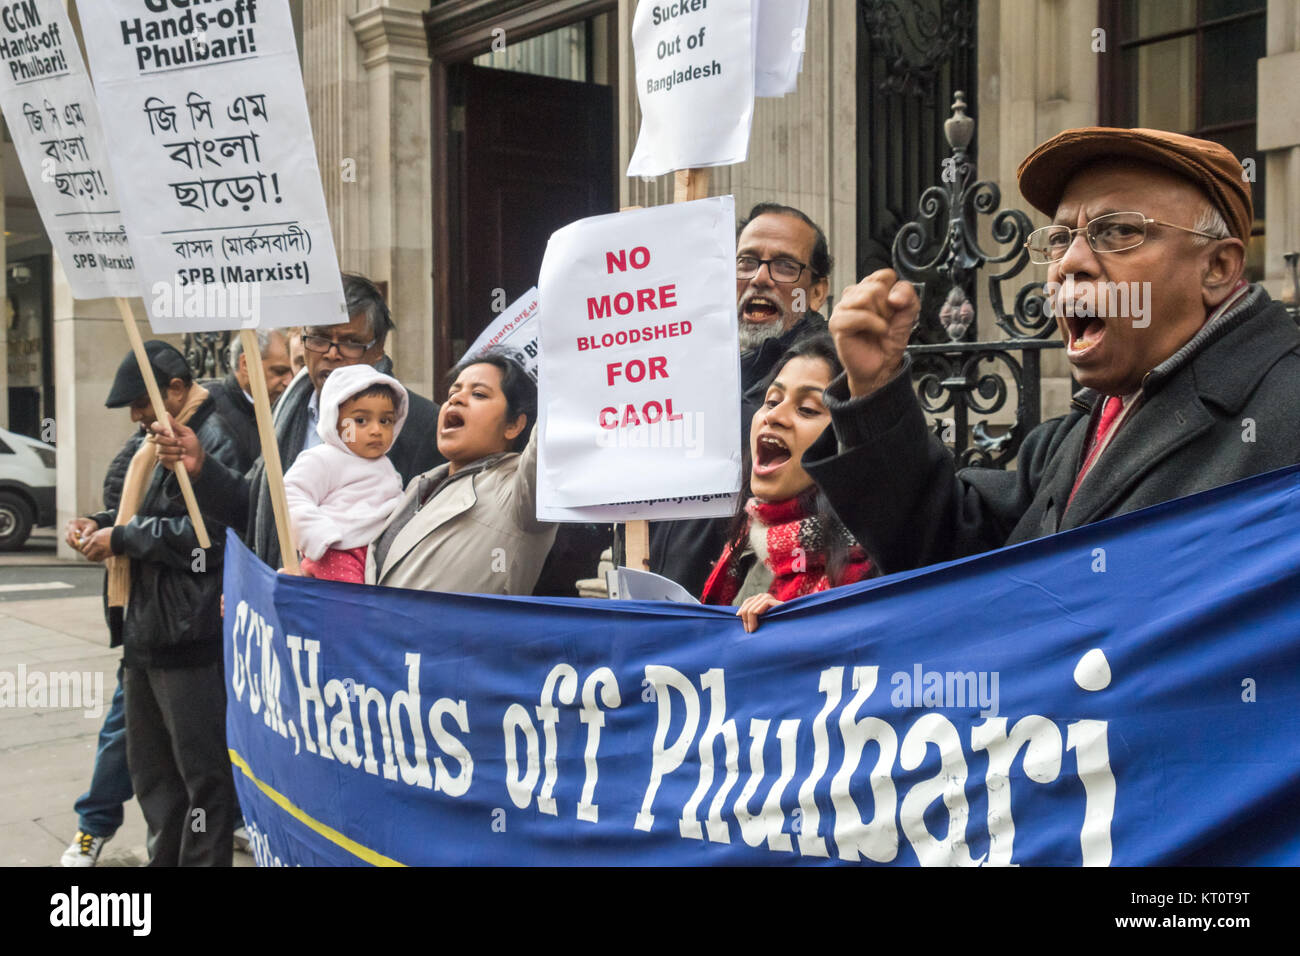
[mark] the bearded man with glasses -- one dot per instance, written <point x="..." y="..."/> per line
<point x="782" y="267"/>
<point x="1198" y="387"/>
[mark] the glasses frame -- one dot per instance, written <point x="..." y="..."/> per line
<point x="338" y="346"/>
<point x="1146" y="221"/>
<point x="768" y="262"/>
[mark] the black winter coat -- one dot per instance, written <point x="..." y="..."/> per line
<point x="173" y="616"/>
<point x="239" y="415"/>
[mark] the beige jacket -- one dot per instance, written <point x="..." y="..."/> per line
<point x="477" y="535"/>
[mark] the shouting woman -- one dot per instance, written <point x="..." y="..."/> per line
<point x="470" y="525"/>
<point x="785" y="541"/>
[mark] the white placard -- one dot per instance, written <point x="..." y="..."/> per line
<point x="628" y="584"/>
<point x="54" y="121"/>
<point x="516" y="329"/>
<point x="781" y="31"/>
<point x="695" y="84"/>
<point x="642" y="374"/>
<point x="206" y="119"/>
<point x="661" y="509"/>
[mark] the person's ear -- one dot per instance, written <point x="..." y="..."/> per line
<point x="817" y="294"/>
<point x="515" y="430"/>
<point x="1224" y="265"/>
<point x="243" y="363"/>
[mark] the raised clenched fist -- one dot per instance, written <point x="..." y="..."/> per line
<point x="871" y="324"/>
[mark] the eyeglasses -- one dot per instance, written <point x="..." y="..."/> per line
<point x="349" y="350"/>
<point x="1114" y="232"/>
<point x="781" y="270"/>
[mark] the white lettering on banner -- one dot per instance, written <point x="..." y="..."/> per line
<point x="590" y="715"/>
<point x="767" y="825"/>
<point x="949" y="783"/>
<point x="1087" y="738"/>
<point x="339" y="741"/>
<point x="878" y="840"/>
<point x="567" y="679"/>
<point x="450" y="745"/>
<point x="810" y="844"/>
<point x="520" y="788"/>
<point x="667" y="759"/>
<point x="1041" y="740"/>
<point x="872" y="813"/>
<point x="712" y="681"/>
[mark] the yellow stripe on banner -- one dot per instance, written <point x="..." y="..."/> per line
<point x="352" y="846"/>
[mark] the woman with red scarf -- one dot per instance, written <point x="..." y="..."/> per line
<point x="785" y="541"/>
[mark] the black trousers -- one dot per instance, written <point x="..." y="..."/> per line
<point x="180" y="767"/>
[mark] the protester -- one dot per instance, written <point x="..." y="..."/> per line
<point x="471" y="525"/>
<point x="297" y="354"/>
<point x="100" y="809"/>
<point x="234" y="394"/>
<point x="782" y="268"/>
<point x="784" y="540"/>
<point x="173" y="678"/>
<point x="1196" y="391"/>
<point x="244" y="500"/>
<point x="342" y="492"/>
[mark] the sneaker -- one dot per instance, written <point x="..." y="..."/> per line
<point x="84" y="851"/>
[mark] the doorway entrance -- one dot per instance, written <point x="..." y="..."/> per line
<point x="531" y="146"/>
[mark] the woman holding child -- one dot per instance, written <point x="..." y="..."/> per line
<point x="468" y="526"/>
<point x="471" y="525"/>
<point x="785" y="541"/>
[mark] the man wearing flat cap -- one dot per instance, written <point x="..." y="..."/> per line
<point x="173" y="678"/>
<point x="1197" y="388"/>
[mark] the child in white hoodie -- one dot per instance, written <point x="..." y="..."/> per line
<point x="342" y="492"/>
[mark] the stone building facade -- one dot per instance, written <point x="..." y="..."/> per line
<point x="442" y="175"/>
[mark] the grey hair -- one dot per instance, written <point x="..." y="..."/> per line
<point x="263" y="343"/>
<point x="364" y="296"/>
<point x="1210" y="220"/>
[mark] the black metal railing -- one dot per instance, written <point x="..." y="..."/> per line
<point x="208" y="353"/>
<point x="958" y="377"/>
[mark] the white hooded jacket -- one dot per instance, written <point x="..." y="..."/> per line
<point x="337" y="499"/>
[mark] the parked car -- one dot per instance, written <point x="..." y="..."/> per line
<point x="26" y="487"/>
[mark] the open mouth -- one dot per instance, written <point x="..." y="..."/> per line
<point x="770" y="453"/>
<point x="1085" y="332"/>
<point x="760" y="308"/>
<point x="452" y="419"/>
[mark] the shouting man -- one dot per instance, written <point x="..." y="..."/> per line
<point x="1193" y="389"/>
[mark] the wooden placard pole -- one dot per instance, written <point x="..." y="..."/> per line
<point x="160" y="412"/>
<point x="688" y="184"/>
<point x="270" y="450"/>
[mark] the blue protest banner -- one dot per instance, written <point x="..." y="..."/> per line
<point x="1126" y="693"/>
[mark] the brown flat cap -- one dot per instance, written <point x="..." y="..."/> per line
<point x="1213" y="169"/>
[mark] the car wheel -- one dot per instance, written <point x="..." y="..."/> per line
<point x="15" y="521"/>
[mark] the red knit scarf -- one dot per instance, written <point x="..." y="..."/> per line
<point x="798" y="542"/>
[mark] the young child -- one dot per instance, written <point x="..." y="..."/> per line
<point x="342" y="492"/>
